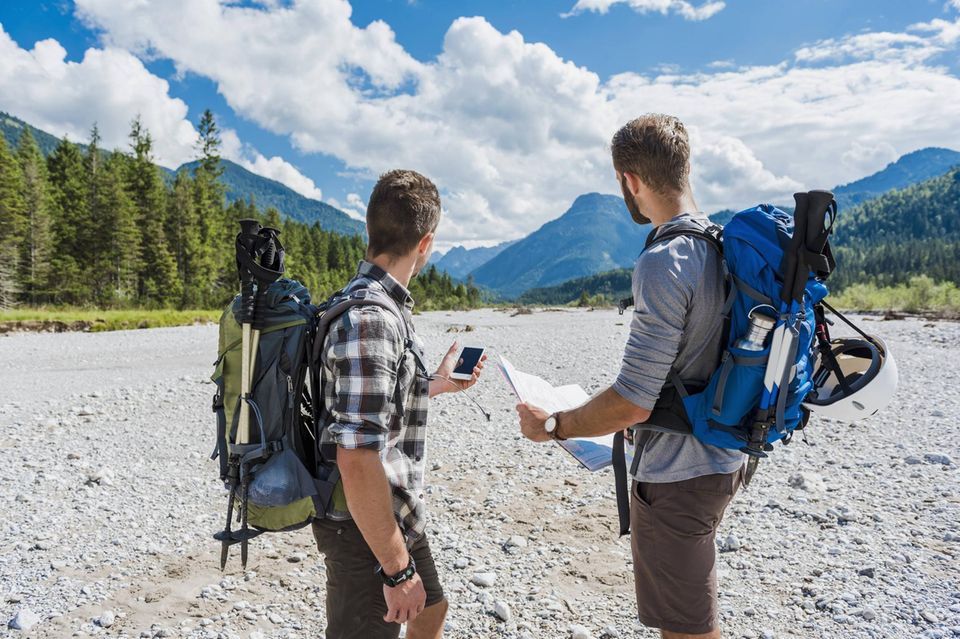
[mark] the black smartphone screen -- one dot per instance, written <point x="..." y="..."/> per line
<point x="470" y="358"/>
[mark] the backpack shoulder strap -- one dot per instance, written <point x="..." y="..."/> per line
<point x="712" y="235"/>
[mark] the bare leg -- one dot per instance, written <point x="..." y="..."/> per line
<point x="429" y="623"/>
<point x="713" y="634"/>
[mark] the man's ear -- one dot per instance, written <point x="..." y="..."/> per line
<point x="424" y="245"/>
<point x="634" y="184"/>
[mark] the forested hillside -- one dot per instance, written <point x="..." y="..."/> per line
<point x="84" y="227"/>
<point x="238" y="183"/>
<point x="914" y="231"/>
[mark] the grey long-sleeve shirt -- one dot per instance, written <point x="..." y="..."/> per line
<point x="678" y="295"/>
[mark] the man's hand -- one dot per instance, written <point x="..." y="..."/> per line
<point x="531" y="422"/>
<point x="404" y="602"/>
<point x="443" y="383"/>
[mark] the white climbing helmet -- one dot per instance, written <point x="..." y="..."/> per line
<point x="869" y="382"/>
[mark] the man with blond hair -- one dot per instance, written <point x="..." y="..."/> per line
<point x="681" y="486"/>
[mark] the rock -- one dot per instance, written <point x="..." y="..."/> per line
<point x="461" y="563"/>
<point x="483" y="579"/>
<point x="610" y="632"/>
<point x="296" y="558"/>
<point x="806" y="481"/>
<point x="100" y="477"/>
<point x="257" y="634"/>
<point x="867" y="572"/>
<point x="517" y="542"/>
<point x="106" y="619"/>
<point x="579" y="632"/>
<point x="937" y="458"/>
<point x="502" y="611"/>
<point x="929" y="616"/>
<point x="951" y="536"/>
<point x="730" y="544"/>
<point x="24" y="619"/>
<point x="868" y="614"/>
<point x="912" y="460"/>
<point x="275" y="618"/>
<point x="767" y="634"/>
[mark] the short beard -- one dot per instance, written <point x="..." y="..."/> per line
<point x="631" y="203"/>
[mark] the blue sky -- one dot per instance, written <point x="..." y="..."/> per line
<point x="511" y="125"/>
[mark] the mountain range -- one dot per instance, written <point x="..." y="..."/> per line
<point x="597" y="235"/>
<point x="460" y="261"/>
<point x="238" y="182"/>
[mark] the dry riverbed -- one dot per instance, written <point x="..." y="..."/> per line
<point x="109" y="500"/>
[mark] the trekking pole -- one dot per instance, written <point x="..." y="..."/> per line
<point x="246" y="242"/>
<point x="783" y="339"/>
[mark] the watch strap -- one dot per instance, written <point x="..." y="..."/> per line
<point x="404" y="575"/>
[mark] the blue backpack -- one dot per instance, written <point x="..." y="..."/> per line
<point x="772" y="266"/>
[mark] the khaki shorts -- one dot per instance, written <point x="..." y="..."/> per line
<point x="674" y="554"/>
<point x="355" y="604"/>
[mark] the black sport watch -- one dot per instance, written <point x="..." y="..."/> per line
<point x="404" y="575"/>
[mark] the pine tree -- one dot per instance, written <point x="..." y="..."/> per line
<point x="158" y="284"/>
<point x="214" y="270"/>
<point x="117" y="261"/>
<point x="70" y="223"/>
<point x="37" y="244"/>
<point x="11" y="225"/>
<point x="183" y="231"/>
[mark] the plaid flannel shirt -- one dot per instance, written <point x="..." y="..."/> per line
<point x="363" y="359"/>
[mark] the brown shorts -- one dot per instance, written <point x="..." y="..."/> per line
<point x="674" y="554"/>
<point x="355" y="604"/>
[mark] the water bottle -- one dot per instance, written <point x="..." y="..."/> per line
<point x="760" y="326"/>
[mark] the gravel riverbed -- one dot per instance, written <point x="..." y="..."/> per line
<point x="110" y="500"/>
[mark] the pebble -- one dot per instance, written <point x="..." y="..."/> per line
<point x="929" y="616"/>
<point x="730" y="544"/>
<point x="579" y="632"/>
<point x="483" y="579"/>
<point x="461" y="563"/>
<point x="106" y="619"/>
<point x="502" y="611"/>
<point x="937" y="458"/>
<point x="517" y="541"/>
<point x="24" y="619"/>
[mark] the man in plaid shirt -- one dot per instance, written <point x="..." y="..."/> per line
<point x="380" y="571"/>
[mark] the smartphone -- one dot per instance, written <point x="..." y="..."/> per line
<point x="469" y="358"/>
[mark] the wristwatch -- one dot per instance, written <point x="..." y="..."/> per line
<point x="404" y="575"/>
<point x="552" y="426"/>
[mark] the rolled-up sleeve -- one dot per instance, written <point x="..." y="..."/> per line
<point x="364" y="352"/>
<point x="662" y="293"/>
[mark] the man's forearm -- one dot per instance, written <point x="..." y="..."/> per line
<point x="605" y="413"/>
<point x="371" y="506"/>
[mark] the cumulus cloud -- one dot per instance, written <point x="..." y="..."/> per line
<point x="111" y="87"/>
<point x="108" y="86"/>
<point x="511" y="132"/>
<point x="680" y="7"/>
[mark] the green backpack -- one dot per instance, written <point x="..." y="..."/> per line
<point x="272" y="477"/>
<point x="278" y="481"/>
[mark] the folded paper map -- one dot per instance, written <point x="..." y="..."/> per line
<point x="593" y="453"/>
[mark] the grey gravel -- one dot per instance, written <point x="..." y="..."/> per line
<point x="853" y="535"/>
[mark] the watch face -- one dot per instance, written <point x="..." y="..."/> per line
<point x="551" y="424"/>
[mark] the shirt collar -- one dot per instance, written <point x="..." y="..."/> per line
<point x="394" y="289"/>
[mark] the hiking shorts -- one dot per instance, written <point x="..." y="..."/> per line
<point x="355" y="604"/>
<point x="673" y="527"/>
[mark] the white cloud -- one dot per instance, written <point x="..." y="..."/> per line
<point x="108" y="86"/>
<point x="512" y="133"/>
<point x="355" y="207"/>
<point x="685" y="9"/>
